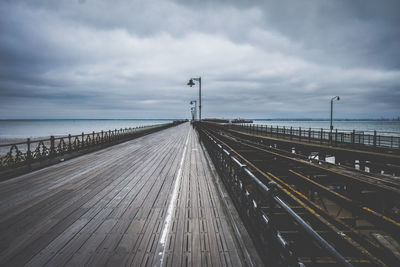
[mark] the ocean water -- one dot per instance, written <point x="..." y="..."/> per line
<point x="382" y="127"/>
<point x="16" y="129"/>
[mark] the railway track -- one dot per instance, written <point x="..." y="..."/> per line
<point x="358" y="216"/>
<point x="367" y="160"/>
<point x="378" y="179"/>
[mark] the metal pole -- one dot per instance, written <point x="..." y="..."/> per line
<point x="199" y="98"/>
<point x="190" y="83"/>
<point x="195" y="108"/>
<point x="331" y="128"/>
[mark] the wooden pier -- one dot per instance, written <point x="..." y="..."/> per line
<point x="151" y="201"/>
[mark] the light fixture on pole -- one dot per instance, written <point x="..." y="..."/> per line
<point x="191" y="83"/>
<point x="331" y="128"/>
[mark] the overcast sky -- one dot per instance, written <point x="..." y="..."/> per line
<point x="257" y="59"/>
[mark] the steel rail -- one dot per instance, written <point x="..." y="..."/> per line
<point x="306" y="227"/>
<point x="387" y="160"/>
<point x="373" y="182"/>
<point x="308" y="230"/>
<point x="370" y="176"/>
<point x="386" y="220"/>
<point x="355" y="232"/>
<point x="321" y="215"/>
<point x="368" y="213"/>
<point x="396" y="184"/>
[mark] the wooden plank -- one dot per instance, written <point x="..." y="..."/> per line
<point x="109" y="208"/>
<point x="153" y="153"/>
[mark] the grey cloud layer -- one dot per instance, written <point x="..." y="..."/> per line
<point x="132" y="59"/>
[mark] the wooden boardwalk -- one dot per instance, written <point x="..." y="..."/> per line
<point x="152" y="201"/>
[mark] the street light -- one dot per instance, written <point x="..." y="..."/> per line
<point x="193" y="112"/>
<point x="195" y="107"/>
<point x="331" y="128"/>
<point x="191" y="83"/>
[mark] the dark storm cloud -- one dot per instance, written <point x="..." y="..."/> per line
<point x="365" y="30"/>
<point x="257" y="58"/>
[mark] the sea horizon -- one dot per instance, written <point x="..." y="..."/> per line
<point x="12" y="130"/>
<point x="256" y="119"/>
<point x="15" y="129"/>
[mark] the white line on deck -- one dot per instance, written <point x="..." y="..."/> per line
<point x="171" y="206"/>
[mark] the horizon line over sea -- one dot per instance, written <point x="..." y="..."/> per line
<point x="11" y="130"/>
<point x="257" y="119"/>
<point x="14" y="129"/>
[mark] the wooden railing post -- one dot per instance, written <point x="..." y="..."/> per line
<point x="309" y="134"/>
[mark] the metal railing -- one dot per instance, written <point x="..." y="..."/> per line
<point x="354" y="138"/>
<point x="249" y="195"/>
<point x="30" y="151"/>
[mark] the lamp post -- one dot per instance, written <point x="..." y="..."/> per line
<point x="191" y="83"/>
<point x="331" y="128"/>
<point x="193" y="112"/>
<point x="195" y="107"/>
